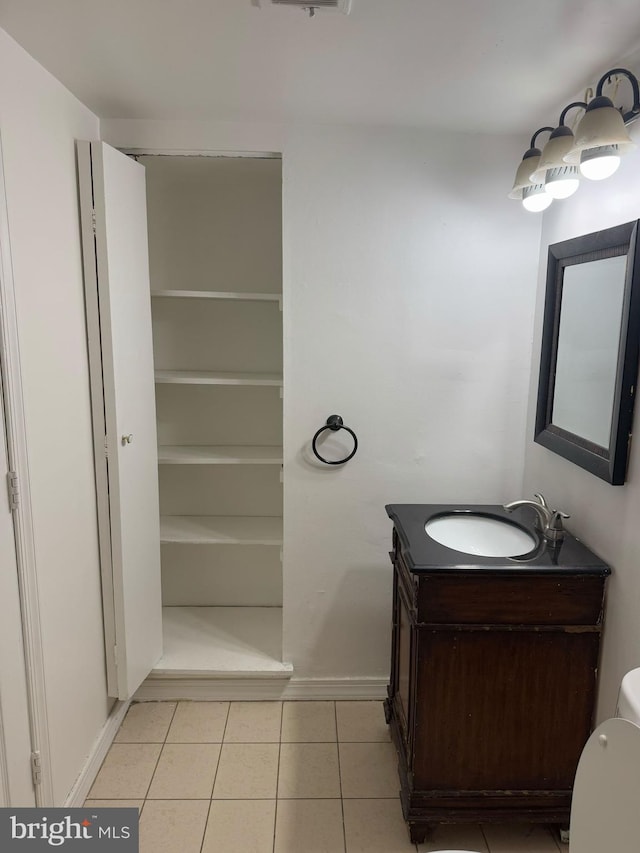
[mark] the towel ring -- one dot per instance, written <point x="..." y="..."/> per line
<point x="334" y="423"/>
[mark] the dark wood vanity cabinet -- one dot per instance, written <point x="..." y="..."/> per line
<point x="492" y="690"/>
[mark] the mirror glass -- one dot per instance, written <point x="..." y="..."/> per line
<point x="588" y="341"/>
<point x="589" y="356"/>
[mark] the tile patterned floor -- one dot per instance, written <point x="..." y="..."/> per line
<point x="274" y="777"/>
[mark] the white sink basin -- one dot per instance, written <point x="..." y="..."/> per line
<point x="482" y="535"/>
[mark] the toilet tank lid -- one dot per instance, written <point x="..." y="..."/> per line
<point x="629" y="697"/>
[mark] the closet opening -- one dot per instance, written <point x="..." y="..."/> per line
<point x="215" y="264"/>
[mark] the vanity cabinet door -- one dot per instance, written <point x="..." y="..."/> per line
<point x="508" y="710"/>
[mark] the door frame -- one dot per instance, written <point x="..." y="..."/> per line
<point x="18" y="459"/>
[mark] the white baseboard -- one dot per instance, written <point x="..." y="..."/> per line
<point x="336" y="688"/>
<point x="85" y="780"/>
<point x="256" y="689"/>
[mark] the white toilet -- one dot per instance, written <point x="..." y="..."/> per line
<point x="605" y="808"/>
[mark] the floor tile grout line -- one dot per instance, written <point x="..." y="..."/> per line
<point x="226" y="723"/>
<point x="203" y="742"/>
<point x="224" y="732"/>
<point x="213" y="783"/>
<point x="237" y="799"/>
<point x="206" y="823"/>
<point x="275" y="810"/>
<point x="344" y="828"/>
<point x="173" y="716"/>
<point x="166" y="734"/>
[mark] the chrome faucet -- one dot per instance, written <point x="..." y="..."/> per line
<point x="549" y="520"/>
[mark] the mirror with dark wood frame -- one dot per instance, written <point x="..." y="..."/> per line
<point x="589" y="358"/>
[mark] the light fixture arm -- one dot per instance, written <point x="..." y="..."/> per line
<point x="635" y="109"/>
<point x="570" y="106"/>
<point x="535" y="135"/>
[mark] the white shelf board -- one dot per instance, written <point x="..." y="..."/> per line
<point x="227" y="641"/>
<point x="218" y="455"/>
<point x="221" y="530"/>
<point x="216" y="294"/>
<point x="207" y="377"/>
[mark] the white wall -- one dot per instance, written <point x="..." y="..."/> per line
<point x="39" y="121"/>
<point x="409" y="285"/>
<point x="604" y="516"/>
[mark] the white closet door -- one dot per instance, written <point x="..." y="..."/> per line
<point x="113" y="195"/>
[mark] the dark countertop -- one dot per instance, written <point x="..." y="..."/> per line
<point x="421" y="553"/>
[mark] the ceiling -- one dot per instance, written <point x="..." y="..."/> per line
<point x="478" y="65"/>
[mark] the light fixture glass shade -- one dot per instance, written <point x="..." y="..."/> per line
<point x="555" y="153"/>
<point x="528" y="165"/>
<point x="560" y="178"/>
<point x="602" y="125"/>
<point x="535" y="199"/>
<point x="599" y="163"/>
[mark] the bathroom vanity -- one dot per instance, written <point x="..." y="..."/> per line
<point x="493" y="672"/>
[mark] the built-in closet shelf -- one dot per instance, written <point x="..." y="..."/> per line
<point x="216" y="294"/>
<point x="221" y="530"/>
<point x="206" y="377"/>
<point x="218" y="455"/>
<point x="243" y="642"/>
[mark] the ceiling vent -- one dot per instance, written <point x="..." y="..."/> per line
<point x="343" y="6"/>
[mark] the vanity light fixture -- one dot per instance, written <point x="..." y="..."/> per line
<point x="533" y="195"/>
<point x="593" y="151"/>
<point x="601" y="136"/>
<point x="560" y="178"/>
